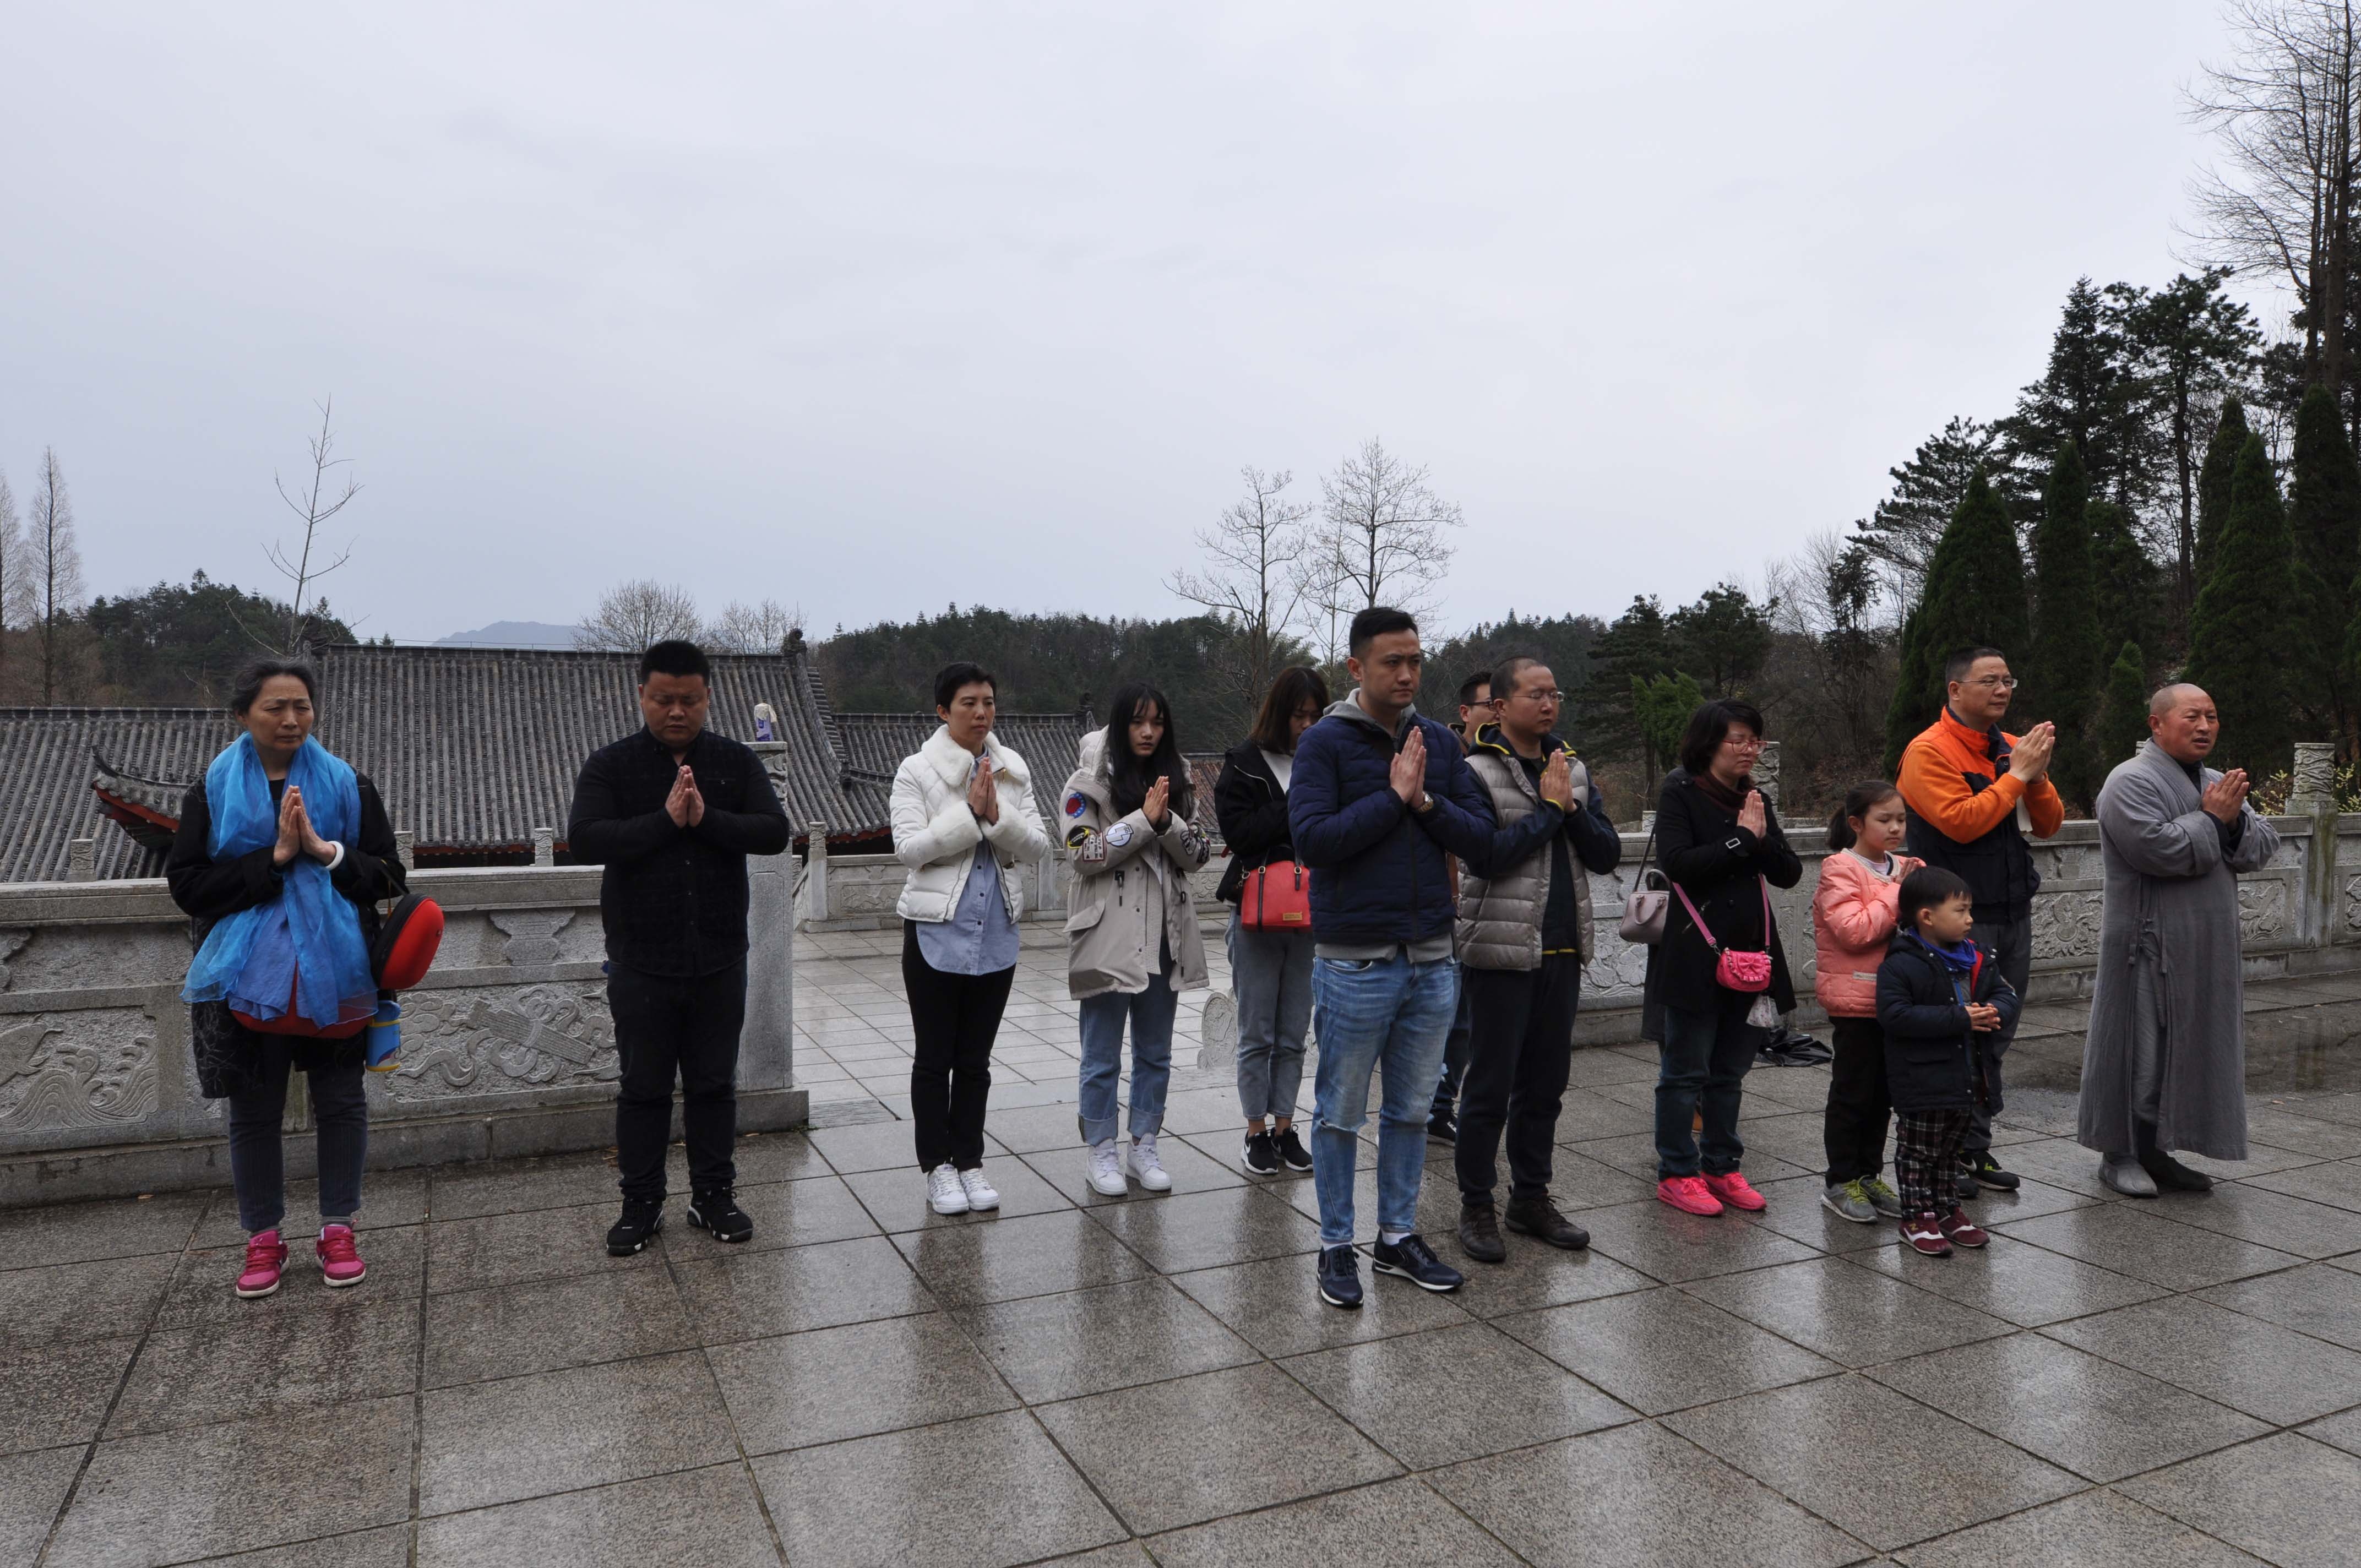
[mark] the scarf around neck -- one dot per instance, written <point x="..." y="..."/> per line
<point x="1723" y="795"/>
<point x="1960" y="959"/>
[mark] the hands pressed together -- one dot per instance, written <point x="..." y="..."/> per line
<point x="2225" y="794"/>
<point x="1557" y="783"/>
<point x="685" y="805"/>
<point x="1409" y="773"/>
<point x="296" y="834"/>
<point x="1159" y="799"/>
<point x="1983" y="1017"/>
<point x="2030" y="761"/>
<point x="983" y="796"/>
<point x="1750" y="814"/>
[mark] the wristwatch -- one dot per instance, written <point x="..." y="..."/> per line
<point x="1425" y="803"/>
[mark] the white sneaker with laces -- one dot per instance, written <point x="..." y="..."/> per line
<point x="945" y="1194"/>
<point x="1106" y="1169"/>
<point x="981" y="1194"/>
<point x="1144" y="1168"/>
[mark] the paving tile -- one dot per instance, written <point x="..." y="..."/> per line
<point x="1664" y="1244"/>
<point x="521" y="1185"/>
<point x="2032" y="1199"/>
<point x="546" y="1324"/>
<point x="1028" y="1129"/>
<point x="707" y="1517"/>
<point x="1535" y="1275"/>
<point x="854" y="1381"/>
<point x="996" y="1492"/>
<point x="1089" y="1341"/>
<point x="1797" y="1212"/>
<point x="785" y="1213"/>
<point x="2061" y="1164"/>
<point x="2338" y="1431"/>
<point x="756" y="1295"/>
<point x="1193" y="1169"/>
<point x="507" y="1249"/>
<point x="2287" y="1499"/>
<point x="1662" y="1350"/>
<point x="59" y="1393"/>
<point x="2261" y="1368"/>
<point x="1399" y="1523"/>
<point x="2336" y="1183"/>
<point x="2139" y="1243"/>
<point x="1827" y="1306"/>
<point x="2014" y="1280"/>
<point x="2315" y="1299"/>
<point x="1634" y="1154"/>
<point x="271" y="1363"/>
<point x="1208" y="1110"/>
<point x="1958" y="1477"/>
<point x="1030" y="1255"/>
<point x="553" y="1432"/>
<point x="385" y="1547"/>
<point x="1637" y="1495"/>
<point x="1436" y="1216"/>
<point x="2092" y="1417"/>
<point x="1436" y="1399"/>
<point x="877" y="1145"/>
<point x="203" y="1283"/>
<point x="1593" y="1065"/>
<point x="1582" y="1114"/>
<point x="2268" y="1218"/>
<point x="896" y="1200"/>
<point x="2093" y="1529"/>
<point x="239" y="1486"/>
<point x="33" y="1487"/>
<point x="1204" y="1230"/>
<point x="113" y="1227"/>
<point x="1273" y="1304"/>
<point x="80" y="1300"/>
<point x="2302" y="1134"/>
<point x="1226" y="1442"/>
<point x="388" y="1199"/>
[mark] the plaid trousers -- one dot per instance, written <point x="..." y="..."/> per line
<point x="1927" y="1149"/>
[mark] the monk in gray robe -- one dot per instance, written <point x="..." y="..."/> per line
<point x="2165" y="1067"/>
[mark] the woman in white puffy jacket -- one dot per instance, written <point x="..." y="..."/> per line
<point x="963" y="821"/>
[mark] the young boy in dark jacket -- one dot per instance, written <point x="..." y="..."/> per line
<point x="1941" y="998"/>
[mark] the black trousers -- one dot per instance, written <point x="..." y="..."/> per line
<point x="2011" y="946"/>
<point x="1519" y="1051"/>
<point x="955" y="1017"/>
<point x="685" y="1027"/>
<point x="1858" y="1107"/>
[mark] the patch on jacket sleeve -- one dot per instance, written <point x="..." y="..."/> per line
<point x="1076" y="804"/>
<point x="1119" y="835"/>
<point x="1088" y="848"/>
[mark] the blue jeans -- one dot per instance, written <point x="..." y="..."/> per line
<point x="1388" y="1014"/>
<point x="1270" y="972"/>
<point x="1150" y="1012"/>
<point x="1704" y="1060"/>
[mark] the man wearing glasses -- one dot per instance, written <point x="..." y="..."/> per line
<point x="1443" y="1122"/>
<point x="1974" y="793"/>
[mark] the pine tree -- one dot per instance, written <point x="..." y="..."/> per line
<point x="1637" y="645"/>
<point x="1902" y="533"/>
<point x="2324" y="531"/>
<point x="2229" y="438"/>
<point x="1975" y="596"/>
<point x="2089" y="394"/>
<point x="2123" y="715"/>
<point x="2127" y="579"/>
<point x="2065" y="666"/>
<point x="2239" y="650"/>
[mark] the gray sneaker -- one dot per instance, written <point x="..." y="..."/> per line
<point x="1882" y="1198"/>
<point x="1849" y="1201"/>
<point x="2125" y="1176"/>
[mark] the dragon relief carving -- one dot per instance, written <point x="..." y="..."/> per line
<point x="488" y="1043"/>
<point x="67" y="1070"/>
<point x="12" y="941"/>
<point x="2262" y="908"/>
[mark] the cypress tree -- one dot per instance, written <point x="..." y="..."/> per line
<point x="2126" y="599"/>
<point x="1974" y="596"/>
<point x="2222" y="449"/>
<point x="2123" y="715"/>
<point x="2325" y="529"/>
<point x="2065" y="665"/>
<point x="2238" y="645"/>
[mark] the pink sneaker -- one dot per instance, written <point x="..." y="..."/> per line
<point x="1688" y="1194"/>
<point x="1737" y="1191"/>
<point x="266" y="1255"/>
<point x="340" y="1264"/>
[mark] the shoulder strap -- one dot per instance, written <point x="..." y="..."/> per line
<point x="1702" y="929"/>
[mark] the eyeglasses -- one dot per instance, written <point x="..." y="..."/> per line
<point x="1994" y="683"/>
<point x="1742" y="742"/>
<point x="1544" y="697"/>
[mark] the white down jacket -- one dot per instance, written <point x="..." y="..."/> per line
<point x="935" y="834"/>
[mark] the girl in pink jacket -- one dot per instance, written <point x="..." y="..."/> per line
<point x="1852" y="920"/>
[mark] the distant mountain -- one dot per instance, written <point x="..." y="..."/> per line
<point x="512" y="634"/>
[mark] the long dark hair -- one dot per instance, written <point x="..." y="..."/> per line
<point x="1858" y="801"/>
<point x="1274" y="725"/>
<point x="1128" y="773"/>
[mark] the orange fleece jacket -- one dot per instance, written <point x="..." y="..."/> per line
<point x="1934" y="785"/>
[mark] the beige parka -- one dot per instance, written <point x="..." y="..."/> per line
<point x="1123" y="874"/>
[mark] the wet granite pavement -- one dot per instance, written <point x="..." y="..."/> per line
<point x="2162" y="1384"/>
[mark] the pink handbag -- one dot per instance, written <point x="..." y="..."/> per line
<point x="1744" y="972"/>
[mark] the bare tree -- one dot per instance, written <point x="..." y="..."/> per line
<point x="1252" y="580"/>
<point x="1380" y="540"/>
<point x="54" y="569"/>
<point x="633" y="616"/>
<point x="760" y="629"/>
<point x="15" y="576"/>
<point x="314" y="504"/>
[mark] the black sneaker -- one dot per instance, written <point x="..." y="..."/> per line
<point x="1340" y="1278"/>
<point x="1292" y="1150"/>
<point x="1539" y="1217"/>
<point x="1260" y="1156"/>
<point x="1479" y="1233"/>
<point x="718" y="1213"/>
<point x="1442" y="1127"/>
<point x="642" y="1218"/>
<point x="1987" y="1171"/>
<point x="1415" y="1261"/>
<point x="1963" y="1179"/>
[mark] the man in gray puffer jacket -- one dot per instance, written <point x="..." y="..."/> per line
<point x="1523" y="935"/>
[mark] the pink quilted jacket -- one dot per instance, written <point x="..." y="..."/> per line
<point x="1852" y="920"/>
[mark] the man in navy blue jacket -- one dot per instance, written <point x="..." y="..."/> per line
<point x="1378" y="797"/>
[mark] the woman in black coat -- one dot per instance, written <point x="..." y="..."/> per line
<point x="1719" y="843"/>
<point x="1270" y="971"/>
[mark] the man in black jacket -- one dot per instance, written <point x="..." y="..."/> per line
<point x="672" y="813"/>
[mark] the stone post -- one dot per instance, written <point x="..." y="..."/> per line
<point x="766" y="1039"/>
<point x="544" y="847"/>
<point x="81" y="859"/>
<point x="2313" y="795"/>
<point x="405" y="846"/>
<point x="1766" y="774"/>
<point x="816" y="873"/>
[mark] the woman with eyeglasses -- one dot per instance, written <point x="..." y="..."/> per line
<point x="1719" y="843"/>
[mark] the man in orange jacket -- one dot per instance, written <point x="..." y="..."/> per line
<point x="1974" y="793"/>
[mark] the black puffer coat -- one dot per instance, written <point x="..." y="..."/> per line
<point x="1933" y="1061"/>
<point x="1252" y="810"/>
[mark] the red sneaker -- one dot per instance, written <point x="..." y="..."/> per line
<point x="1688" y="1194"/>
<point x="1924" y="1234"/>
<point x="1737" y="1191"/>
<point x="340" y="1262"/>
<point x="266" y="1255"/>
<point x="1960" y="1230"/>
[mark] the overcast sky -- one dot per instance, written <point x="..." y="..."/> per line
<point x="873" y="308"/>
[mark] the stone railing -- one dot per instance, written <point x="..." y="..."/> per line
<point x="857" y="893"/>
<point x="507" y="1046"/>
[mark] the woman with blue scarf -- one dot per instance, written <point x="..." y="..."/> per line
<point x="282" y="855"/>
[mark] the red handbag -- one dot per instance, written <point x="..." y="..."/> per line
<point x="1276" y="897"/>
<point x="1743" y="972"/>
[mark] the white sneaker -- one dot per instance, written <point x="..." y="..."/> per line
<point x="1106" y="1169"/>
<point x="1144" y="1168"/>
<point x="945" y="1194"/>
<point x="981" y="1194"/>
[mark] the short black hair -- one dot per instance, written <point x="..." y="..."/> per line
<point x="1709" y="726"/>
<point x="1956" y="666"/>
<point x="1467" y="689"/>
<point x="1378" y="621"/>
<point x="248" y="684"/>
<point x="961" y="673"/>
<point x="1511" y="670"/>
<point x="1928" y="887"/>
<point x="675" y="656"/>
